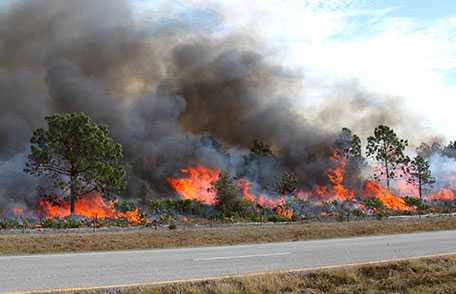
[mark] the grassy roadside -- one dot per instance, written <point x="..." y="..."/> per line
<point x="429" y="275"/>
<point x="53" y="242"/>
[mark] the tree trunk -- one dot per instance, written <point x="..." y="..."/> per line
<point x="72" y="203"/>
<point x="420" y="191"/>
<point x="72" y="193"/>
<point x="387" y="174"/>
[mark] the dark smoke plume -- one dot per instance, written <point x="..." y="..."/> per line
<point x="173" y="96"/>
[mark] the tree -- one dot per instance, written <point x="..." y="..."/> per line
<point x="228" y="194"/>
<point x="388" y="149"/>
<point x="77" y="155"/>
<point x="426" y="151"/>
<point x="260" y="148"/>
<point x="450" y="150"/>
<point x="348" y="144"/>
<point x="348" y="149"/>
<point x="419" y="174"/>
<point x="287" y="184"/>
<point x="416" y="203"/>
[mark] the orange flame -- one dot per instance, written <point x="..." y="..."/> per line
<point x="260" y="199"/>
<point x="445" y="194"/>
<point x="283" y="212"/>
<point x="18" y="212"/>
<point x="389" y="200"/>
<point x="91" y="206"/>
<point x="336" y="177"/>
<point x="197" y="186"/>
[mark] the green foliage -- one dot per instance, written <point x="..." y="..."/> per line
<point x="228" y="194"/>
<point x="425" y="150"/>
<point x="261" y="149"/>
<point x="388" y="149"/>
<point x="374" y="204"/>
<point x="417" y="203"/>
<point x="349" y="144"/>
<point x="180" y="206"/>
<point x="276" y="218"/>
<point x="61" y="223"/>
<point x="419" y="174"/>
<point x="9" y="224"/>
<point x="450" y="150"/>
<point x="287" y="184"/>
<point x="124" y="206"/>
<point x="77" y="155"/>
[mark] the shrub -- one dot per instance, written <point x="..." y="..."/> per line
<point x="172" y="227"/>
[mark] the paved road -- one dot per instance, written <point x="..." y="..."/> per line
<point x="37" y="272"/>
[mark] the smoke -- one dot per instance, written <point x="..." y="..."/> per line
<point x="171" y="94"/>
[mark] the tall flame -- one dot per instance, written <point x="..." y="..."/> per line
<point x="445" y="194"/>
<point x="91" y="206"/>
<point x="389" y="200"/>
<point x="260" y="199"/>
<point x="336" y="177"/>
<point x="197" y="185"/>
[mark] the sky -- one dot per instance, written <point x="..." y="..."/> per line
<point x="400" y="48"/>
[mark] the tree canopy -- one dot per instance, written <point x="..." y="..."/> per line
<point x="228" y="194"/>
<point x="77" y="155"/>
<point x="388" y="149"/>
<point x="419" y="174"/>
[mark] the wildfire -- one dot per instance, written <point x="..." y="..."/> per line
<point x="336" y="176"/>
<point x="389" y="200"/>
<point x="445" y="194"/>
<point x="18" y="212"/>
<point x="283" y="212"/>
<point x="260" y="199"/>
<point x="197" y="185"/>
<point x="91" y="206"/>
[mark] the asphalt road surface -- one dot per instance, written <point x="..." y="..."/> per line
<point x="121" y="268"/>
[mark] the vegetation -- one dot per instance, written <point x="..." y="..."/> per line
<point x="349" y="144"/>
<point x="419" y="173"/>
<point x="426" y="275"/>
<point x="416" y="203"/>
<point x="260" y="148"/>
<point x="228" y="195"/>
<point x="287" y="184"/>
<point x="388" y="149"/>
<point x="82" y="240"/>
<point x="77" y="155"/>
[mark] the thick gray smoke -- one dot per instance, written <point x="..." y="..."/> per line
<point x="173" y="97"/>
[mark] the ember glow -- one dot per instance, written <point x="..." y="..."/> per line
<point x="373" y="189"/>
<point x="91" y="206"/>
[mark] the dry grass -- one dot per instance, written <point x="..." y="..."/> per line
<point x="52" y="242"/>
<point x="432" y="275"/>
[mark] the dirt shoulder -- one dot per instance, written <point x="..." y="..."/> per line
<point x="18" y="243"/>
